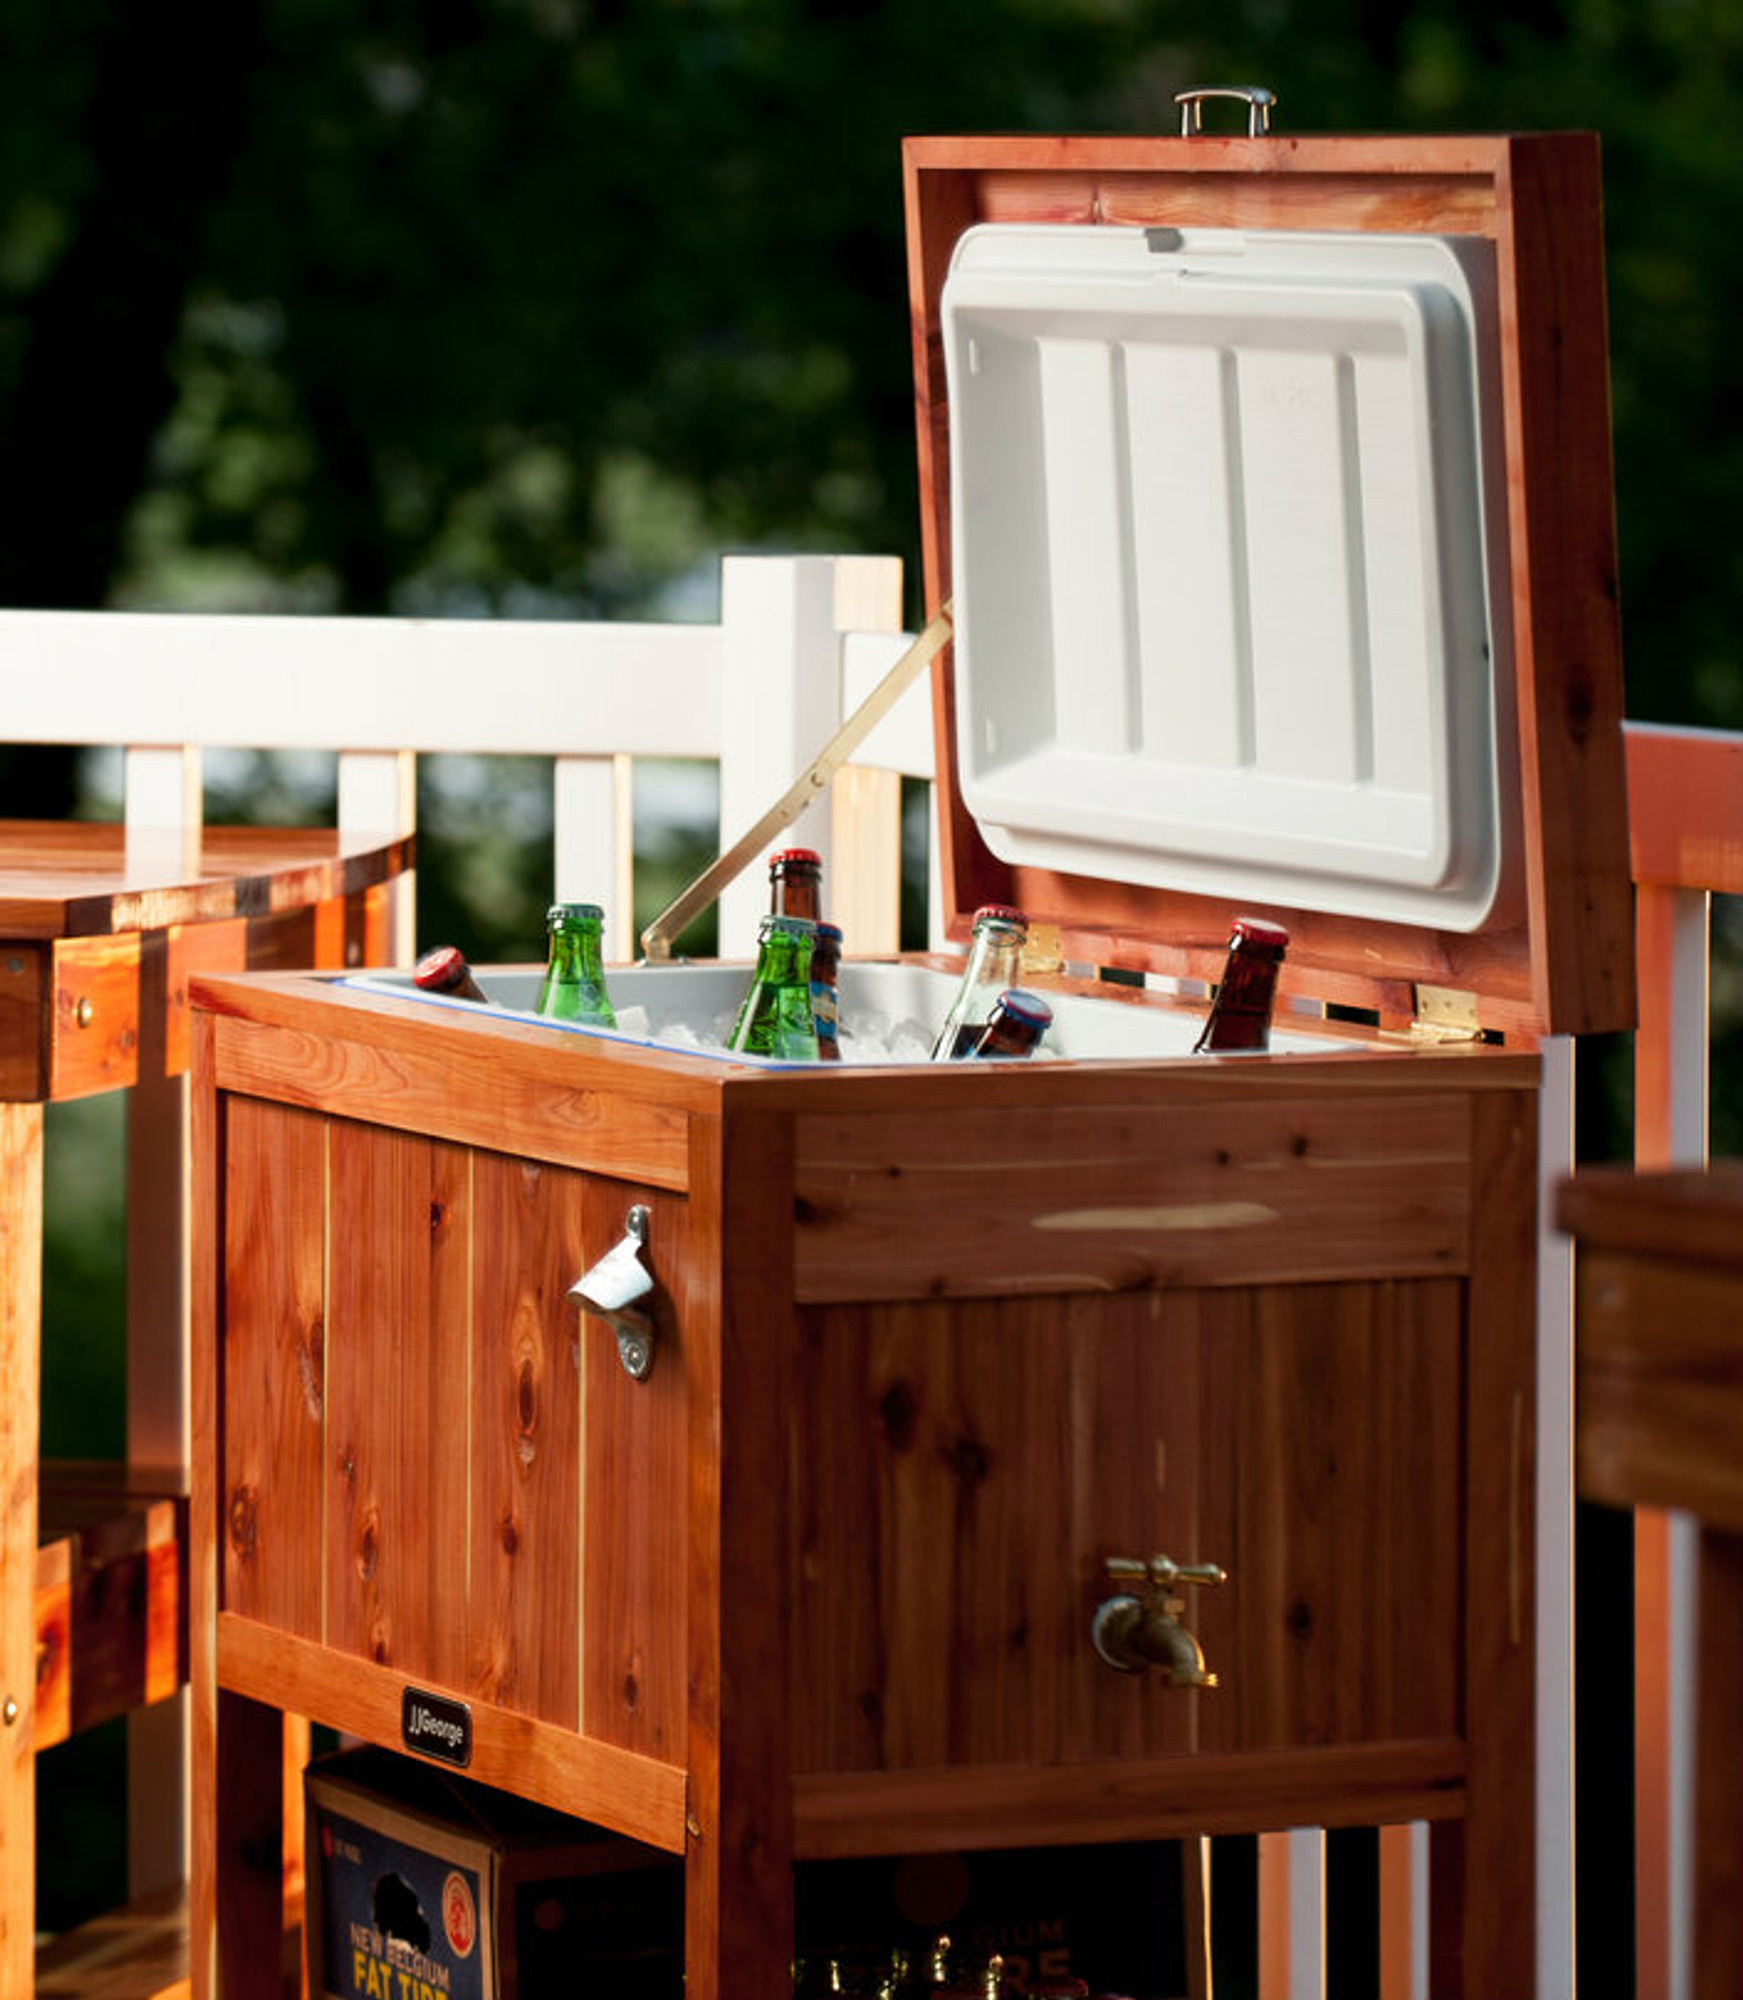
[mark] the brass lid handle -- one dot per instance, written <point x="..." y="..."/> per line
<point x="1259" y="101"/>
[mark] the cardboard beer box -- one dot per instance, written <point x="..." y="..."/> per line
<point x="425" y="1886"/>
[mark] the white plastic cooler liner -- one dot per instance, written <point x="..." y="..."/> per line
<point x="700" y="997"/>
<point x="1223" y="620"/>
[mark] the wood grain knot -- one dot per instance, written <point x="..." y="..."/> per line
<point x="898" y="1414"/>
<point x="368" y="1546"/>
<point x="1299" y="1618"/>
<point x="969" y="1460"/>
<point x="243" y="1522"/>
<point x="510" y="1535"/>
<point x="309" y="1372"/>
<point x="51" y="1646"/>
<point x="527" y="1400"/>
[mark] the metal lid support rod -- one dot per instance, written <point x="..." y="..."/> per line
<point x="811" y="782"/>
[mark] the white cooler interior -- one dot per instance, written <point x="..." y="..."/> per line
<point x="1221" y="566"/>
<point x="689" y="1008"/>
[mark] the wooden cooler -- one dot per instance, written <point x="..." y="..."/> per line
<point x="1270" y="481"/>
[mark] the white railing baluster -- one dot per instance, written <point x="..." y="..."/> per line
<point x="780" y="702"/>
<point x="377" y="799"/>
<point x="1292" y="1953"/>
<point x="593" y="838"/>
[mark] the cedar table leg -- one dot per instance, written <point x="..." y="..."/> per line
<point x="20" y="1395"/>
<point x="247" y="1855"/>
<point x="1719" y="1762"/>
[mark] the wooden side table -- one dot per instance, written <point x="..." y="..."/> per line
<point x="99" y="932"/>
<point x="1659" y="1401"/>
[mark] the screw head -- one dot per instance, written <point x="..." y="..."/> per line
<point x="85" y="1012"/>
<point x="9" y="1712"/>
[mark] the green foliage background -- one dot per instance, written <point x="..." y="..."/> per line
<point x="533" y="307"/>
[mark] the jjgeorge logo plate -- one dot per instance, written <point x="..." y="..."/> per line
<point x="434" y="1726"/>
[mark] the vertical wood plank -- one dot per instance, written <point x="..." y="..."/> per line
<point x="248" y="1849"/>
<point x="1499" y="1902"/>
<point x="634" y="1505"/>
<point x="1718" y="1857"/>
<point x="398" y="1420"/>
<point x="525" y="1462"/>
<point x="20" y="1378"/>
<point x="162" y="809"/>
<point x="158" y="1221"/>
<point x="1329" y="1518"/>
<point x="206" y="1136"/>
<point x="738" y="1863"/>
<point x="273" y="1363"/>
<point x="1555" y="372"/>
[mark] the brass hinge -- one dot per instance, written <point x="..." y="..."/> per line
<point x="1042" y="951"/>
<point x="1445" y="1014"/>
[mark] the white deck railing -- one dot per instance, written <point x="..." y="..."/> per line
<point x="799" y="642"/>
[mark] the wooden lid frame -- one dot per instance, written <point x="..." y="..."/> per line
<point x="1567" y="966"/>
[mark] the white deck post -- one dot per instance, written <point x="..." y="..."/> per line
<point x="1555" y="1530"/>
<point x="1674" y="933"/>
<point x="378" y="799"/>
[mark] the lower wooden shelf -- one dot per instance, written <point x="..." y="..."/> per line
<point x="111" y="1591"/>
<point x="139" y="1952"/>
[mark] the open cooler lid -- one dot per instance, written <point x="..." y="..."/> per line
<point x="1231" y="492"/>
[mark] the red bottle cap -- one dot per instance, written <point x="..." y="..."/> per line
<point x="1003" y="913"/>
<point x="439" y="970"/>
<point x="1261" y="933"/>
<point x="803" y="857"/>
<point x="1028" y="1009"/>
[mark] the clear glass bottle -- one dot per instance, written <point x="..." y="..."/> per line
<point x="775" y="1018"/>
<point x="825" y="1001"/>
<point x="995" y="949"/>
<point x="796" y="884"/>
<point x="1240" y="1014"/>
<point x="1019" y="1020"/>
<point x="443" y="969"/>
<point x="573" y="988"/>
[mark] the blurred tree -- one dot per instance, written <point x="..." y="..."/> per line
<point x="530" y="306"/>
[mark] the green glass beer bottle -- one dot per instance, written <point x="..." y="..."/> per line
<point x="573" y="988"/>
<point x="775" y="1018"/>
